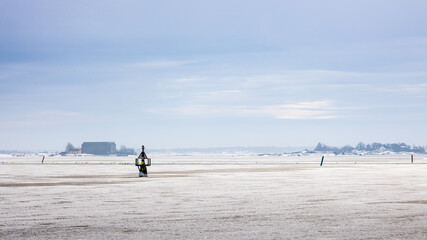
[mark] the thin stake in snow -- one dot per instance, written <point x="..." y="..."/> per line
<point x="43" y="159"/>
<point x="321" y="162"/>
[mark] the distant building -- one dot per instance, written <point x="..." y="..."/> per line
<point x="99" y="148"/>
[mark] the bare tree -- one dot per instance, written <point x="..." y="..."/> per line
<point x="69" y="147"/>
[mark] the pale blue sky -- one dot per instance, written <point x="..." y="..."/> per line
<point x="171" y="74"/>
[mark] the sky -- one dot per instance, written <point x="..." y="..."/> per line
<point x="181" y="74"/>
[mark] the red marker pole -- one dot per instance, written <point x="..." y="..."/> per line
<point x="412" y="158"/>
<point x="43" y="159"/>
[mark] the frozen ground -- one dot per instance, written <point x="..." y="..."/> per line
<point x="350" y="197"/>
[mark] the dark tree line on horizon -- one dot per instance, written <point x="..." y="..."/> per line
<point x="392" y="147"/>
<point x="70" y="147"/>
<point x="122" y="151"/>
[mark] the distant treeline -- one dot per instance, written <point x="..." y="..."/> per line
<point x="126" y="151"/>
<point x="374" y="147"/>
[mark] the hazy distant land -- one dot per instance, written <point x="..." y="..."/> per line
<point x="359" y="149"/>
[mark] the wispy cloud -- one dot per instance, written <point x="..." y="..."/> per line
<point x="39" y="118"/>
<point x="163" y="63"/>
<point x="220" y="93"/>
<point x="300" y="110"/>
<point x="185" y="80"/>
<point x="404" y="88"/>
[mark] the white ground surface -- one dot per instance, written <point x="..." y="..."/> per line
<point x="209" y="198"/>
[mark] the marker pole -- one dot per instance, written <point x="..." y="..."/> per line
<point x="321" y="162"/>
<point x="43" y="159"/>
<point x="412" y="158"/>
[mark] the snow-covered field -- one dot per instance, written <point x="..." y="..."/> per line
<point x="214" y="197"/>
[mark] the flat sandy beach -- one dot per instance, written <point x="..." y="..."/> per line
<point x="244" y="197"/>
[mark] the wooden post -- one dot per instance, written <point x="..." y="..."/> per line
<point x="412" y="158"/>
<point x="321" y="162"/>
